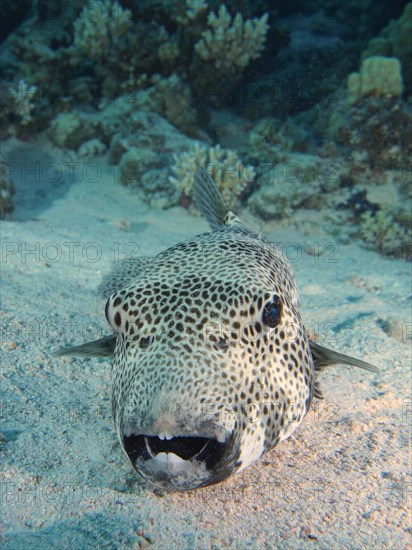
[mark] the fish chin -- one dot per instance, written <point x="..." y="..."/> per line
<point x="178" y="463"/>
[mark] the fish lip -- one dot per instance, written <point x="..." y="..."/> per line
<point x="177" y="463"/>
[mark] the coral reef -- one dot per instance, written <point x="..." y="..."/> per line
<point x="17" y="104"/>
<point x="23" y="98"/>
<point x="231" y="44"/>
<point x="395" y="40"/>
<point x="188" y="11"/>
<point x="308" y="55"/>
<point x="123" y="47"/>
<point x="92" y="148"/>
<point x="380" y="129"/>
<point x="384" y="232"/>
<point x="87" y="50"/>
<point x="100" y="28"/>
<point x="39" y="53"/>
<point x="300" y="181"/>
<point x="144" y="149"/>
<point x="231" y="176"/>
<point x="169" y="97"/>
<point x="163" y="85"/>
<point x="100" y="36"/>
<point x="270" y="139"/>
<point x="6" y="191"/>
<point x="378" y="76"/>
<point x="70" y="130"/>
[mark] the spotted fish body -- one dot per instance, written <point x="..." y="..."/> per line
<point x="212" y="363"/>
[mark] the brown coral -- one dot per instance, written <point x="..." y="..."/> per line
<point x="381" y="128"/>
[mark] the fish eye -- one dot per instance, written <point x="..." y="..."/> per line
<point x="272" y="312"/>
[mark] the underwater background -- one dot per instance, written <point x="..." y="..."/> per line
<point x="302" y="113"/>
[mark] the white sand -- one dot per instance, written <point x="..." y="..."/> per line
<point x="341" y="481"/>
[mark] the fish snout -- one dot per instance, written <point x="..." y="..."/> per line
<point x="179" y="461"/>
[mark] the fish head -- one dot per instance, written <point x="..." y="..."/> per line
<point x="204" y="376"/>
<point x="212" y="364"/>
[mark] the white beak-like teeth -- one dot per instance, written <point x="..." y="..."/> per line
<point x="165" y="436"/>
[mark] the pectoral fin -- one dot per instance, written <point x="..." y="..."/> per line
<point x="98" y="348"/>
<point x="324" y="357"/>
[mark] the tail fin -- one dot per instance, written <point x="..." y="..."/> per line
<point x="209" y="200"/>
<point x="324" y="357"/>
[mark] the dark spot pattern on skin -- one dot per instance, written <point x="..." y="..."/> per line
<point x="192" y="327"/>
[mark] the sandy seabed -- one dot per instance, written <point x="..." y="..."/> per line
<point x="343" y="478"/>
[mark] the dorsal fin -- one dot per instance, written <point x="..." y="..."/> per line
<point x="209" y="200"/>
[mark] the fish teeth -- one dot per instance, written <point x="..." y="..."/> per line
<point x="170" y="458"/>
<point x="165" y="436"/>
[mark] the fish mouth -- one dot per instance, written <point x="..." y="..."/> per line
<point x="178" y="463"/>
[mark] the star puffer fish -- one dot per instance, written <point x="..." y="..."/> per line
<point x="212" y="364"/>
